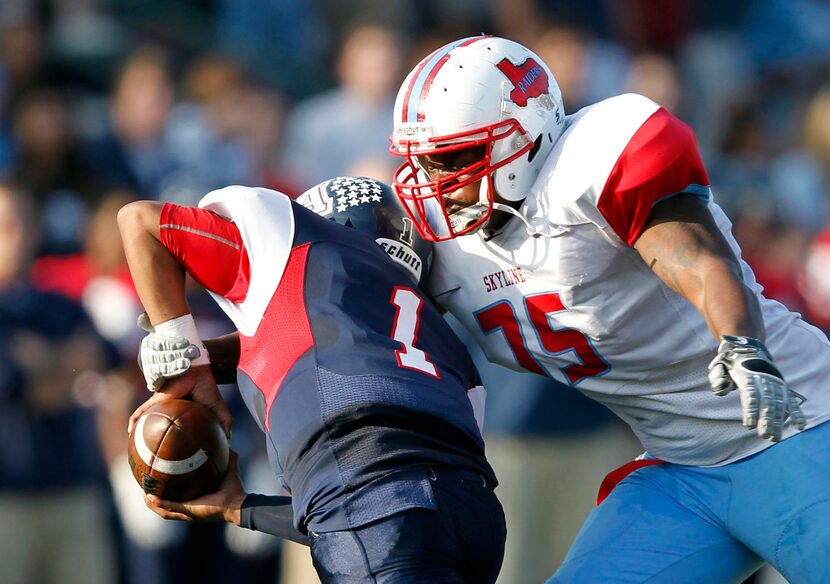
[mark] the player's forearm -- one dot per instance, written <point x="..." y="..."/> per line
<point x="158" y="277"/>
<point x="224" y="357"/>
<point x="686" y="250"/>
<point x="728" y="306"/>
<point x="714" y="286"/>
<point x="271" y="514"/>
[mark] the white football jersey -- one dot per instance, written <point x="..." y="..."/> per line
<point x="576" y="302"/>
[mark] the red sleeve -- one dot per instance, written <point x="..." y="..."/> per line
<point x="209" y="247"/>
<point x="660" y="160"/>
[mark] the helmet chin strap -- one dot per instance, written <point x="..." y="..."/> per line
<point x="464" y="217"/>
<point x="531" y="231"/>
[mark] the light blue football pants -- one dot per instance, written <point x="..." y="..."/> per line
<point x="690" y="525"/>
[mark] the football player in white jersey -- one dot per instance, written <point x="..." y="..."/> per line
<point x="588" y="247"/>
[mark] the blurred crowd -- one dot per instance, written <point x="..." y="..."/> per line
<point x="107" y="101"/>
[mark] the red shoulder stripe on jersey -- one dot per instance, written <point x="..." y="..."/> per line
<point x="615" y="477"/>
<point x="660" y="160"/>
<point x="284" y="334"/>
<point x="209" y="247"/>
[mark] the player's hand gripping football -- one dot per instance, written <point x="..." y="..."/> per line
<point x="196" y="384"/>
<point x="223" y="505"/>
<point x="169" y="372"/>
<point x="744" y="364"/>
<point x="162" y="357"/>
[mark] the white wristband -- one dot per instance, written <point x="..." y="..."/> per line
<point x="185" y="326"/>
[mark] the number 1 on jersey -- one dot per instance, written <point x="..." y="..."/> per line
<point x="405" y="331"/>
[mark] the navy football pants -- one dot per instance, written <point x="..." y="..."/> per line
<point x="462" y="541"/>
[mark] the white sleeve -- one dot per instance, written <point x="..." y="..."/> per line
<point x="265" y="220"/>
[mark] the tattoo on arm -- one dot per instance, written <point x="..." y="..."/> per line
<point x="685" y="249"/>
<point x="670" y="261"/>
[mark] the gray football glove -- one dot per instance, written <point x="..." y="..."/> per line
<point x="744" y="364"/>
<point x="161" y="357"/>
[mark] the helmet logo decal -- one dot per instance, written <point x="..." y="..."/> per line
<point x="402" y="254"/>
<point x="528" y="78"/>
<point x="318" y="200"/>
<point x="352" y="192"/>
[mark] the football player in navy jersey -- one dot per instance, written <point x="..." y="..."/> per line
<point x="362" y="390"/>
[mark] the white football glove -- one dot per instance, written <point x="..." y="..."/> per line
<point x="162" y="357"/>
<point x="744" y="364"/>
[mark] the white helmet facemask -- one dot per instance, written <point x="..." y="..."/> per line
<point x="476" y="92"/>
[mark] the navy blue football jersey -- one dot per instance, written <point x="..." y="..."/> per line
<point x="355" y="377"/>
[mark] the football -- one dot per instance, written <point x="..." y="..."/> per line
<point x="178" y="450"/>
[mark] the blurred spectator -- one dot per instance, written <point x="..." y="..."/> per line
<point x="655" y="76"/>
<point x="282" y="40"/>
<point x="817" y="126"/>
<point x="706" y="55"/>
<point x="550" y="469"/>
<point x="328" y="133"/>
<point x="84" y="37"/>
<point x="790" y="51"/>
<point x="586" y="68"/>
<point x="773" y="245"/>
<point x="524" y="20"/>
<point x="204" y="129"/>
<point x="261" y="133"/>
<point x="22" y="53"/>
<point x="776" y="252"/>
<point x="20" y="60"/>
<point x="801" y="176"/>
<point x="98" y="277"/>
<point x="519" y="20"/>
<point x="46" y="153"/>
<point x="49" y="166"/>
<point x="740" y="171"/>
<point x="796" y="184"/>
<point x="227" y="130"/>
<point x="567" y="52"/>
<point x="651" y="25"/>
<point x="53" y="501"/>
<point x="815" y="282"/>
<point x="341" y="17"/>
<point x="132" y="153"/>
<point x="154" y="548"/>
<point x="789" y="38"/>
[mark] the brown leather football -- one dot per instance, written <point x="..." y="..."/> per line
<point x="178" y="450"/>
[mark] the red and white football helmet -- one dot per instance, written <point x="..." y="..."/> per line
<point x="473" y="92"/>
